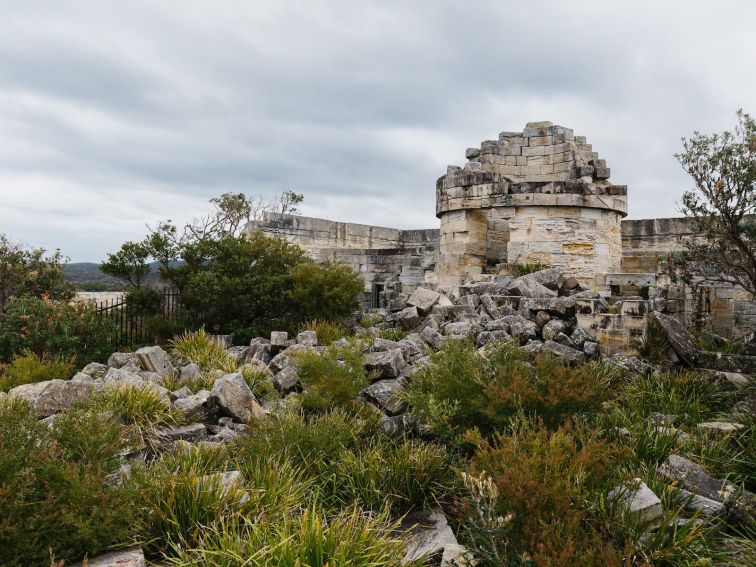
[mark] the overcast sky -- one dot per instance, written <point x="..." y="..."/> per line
<point x="114" y="114"/>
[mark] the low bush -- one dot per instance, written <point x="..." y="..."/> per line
<point x="327" y="290"/>
<point x="462" y="390"/>
<point x="53" y="494"/>
<point x="202" y="350"/>
<point x="29" y="368"/>
<point x="60" y="330"/>
<point x="333" y="378"/>
<point x="541" y="482"/>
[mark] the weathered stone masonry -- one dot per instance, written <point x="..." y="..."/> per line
<point x="537" y="196"/>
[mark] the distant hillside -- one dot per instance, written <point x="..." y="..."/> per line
<point x="88" y="277"/>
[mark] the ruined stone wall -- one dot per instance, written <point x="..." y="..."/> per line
<point x="537" y="196"/>
<point x="382" y="255"/>
<point x="725" y="309"/>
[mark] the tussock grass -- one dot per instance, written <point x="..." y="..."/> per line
<point x="203" y="351"/>
<point x="29" y="368"/>
<point x="327" y="331"/>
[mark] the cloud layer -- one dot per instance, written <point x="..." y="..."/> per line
<point x="114" y="114"/>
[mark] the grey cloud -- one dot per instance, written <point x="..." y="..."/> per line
<point x="148" y="109"/>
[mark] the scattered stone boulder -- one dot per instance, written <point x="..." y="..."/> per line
<point x="487" y="337"/>
<point x="408" y="318"/>
<point x="307" y="338"/>
<point x="693" y="477"/>
<point x="527" y="286"/>
<point x="590" y="349"/>
<point x="287" y="381"/>
<point x="542" y="317"/>
<point x="191" y="432"/>
<point x="133" y="557"/>
<point x="260" y="350"/>
<point x="121" y="359"/>
<point x="520" y="327"/>
<point x="551" y="278"/>
<point x="553" y="328"/>
<point x="387" y="364"/>
<point x="154" y="359"/>
<point x="423" y="299"/>
<point x="571" y="355"/>
<point x="398" y="425"/>
<point x="232" y="396"/>
<point x="432" y="337"/>
<point x="432" y="540"/>
<point x="721" y="428"/>
<point x="461" y="330"/>
<point x="679" y="338"/>
<point x="639" y="499"/>
<point x="697" y="503"/>
<point x="386" y="395"/>
<point x="190" y="373"/>
<point x="279" y="340"/>
<point x="53" y="396"/>
<point x="95" y="369"/>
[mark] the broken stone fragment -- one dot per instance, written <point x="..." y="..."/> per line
<point x="719" y="427"/>
<point x="259" y="349"/>
<point x="552" y="329"/>
<point x="424" y="299"/>
<point x="386" y="395"/>
<point x="191" y="432"/>
<point x="133" y="557"/>
<point x="408" y="318"/>
<point x="529" y="287"/>
<point x="432" y="540"/>
<point x="693" y="477"/>
<point x="697" y="503"/>
<point x="432" y="337"/>
<point x="459" y="330"/>
<point x="287" y="381"/>
<point x="397" y="425"/>
<point x="53" y="396"/>
<point x="520" y="327"/>
<point x="487" y="337"/>
<point x="387" y="364"/>
<point x="571" y="355"/>
<point x="307" y="338"/>
<point x="154" y="359"/>
<point x="190" y="372"/>
<point x="194" y="407"/>
<point x="679" y="338"/>
<point x="639" y="500"/>
<point x="121" y="359"/>
<point x="279" y="340"/>
<point x="232" y="396"/>
<point x="95" y="369"/>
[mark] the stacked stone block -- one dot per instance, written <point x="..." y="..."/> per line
<point x="546" y="199"/>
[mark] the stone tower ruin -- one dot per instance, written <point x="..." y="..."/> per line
<point x="540" y="196"/>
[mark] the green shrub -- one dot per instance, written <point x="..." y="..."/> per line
<point x="333" y="378"/>
<point x="461" y="390"/>
<point x="393" y="334"/>
<point x="519" y="270"/>
<point x="53" y="494"/>
<point x="203" y="351"/>
<point x="69" y="332"/>
<point x="327" y="291"/>
<point x="326" y="331"/>
<point x="144" y="301"/>
<point x="29" y="368"/>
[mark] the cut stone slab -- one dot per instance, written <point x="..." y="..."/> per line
<point x="154" y="359"/>
<point x="133" y="557"/>
<point x="408" y="318"/>
<point x="234" y="398"/>
<point x="259" y="349"/>
<point x="194" y="407"/>
<point x="287" y="380"/>
<point x="679" y="338"/>
<point x="388" y="364"/>
<point x="307" y="338"/>
<point x="734" y="378"/>
<point x="191" y="432"/>
<point x="433" y="540"/>
<point x="490" y="306"/>
<point x="639" y="499"/>
<point x="279" y="340"/>
<point x="529" y="287"/>
<point x="53" y="396"/>
<point x="693" y="477"/>
<point x="424" y="299"/>
<point x="386" y="395"/>
<point x="573" y="356"/>
<point x="719" y="427"/>
<point x="697" y="503"/>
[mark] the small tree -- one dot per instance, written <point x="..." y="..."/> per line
<point x="129" y="263"/>
<point x="723" y="204"/>
<point x="29" y="272"/>
<point x="326" y="291"/>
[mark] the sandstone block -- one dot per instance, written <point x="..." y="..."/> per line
<point x="232" y="396"/>
<point x="53" y="396"/>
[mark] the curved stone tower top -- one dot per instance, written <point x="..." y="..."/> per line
<point x="540" y="196"/>
<point x="543" y="165"/>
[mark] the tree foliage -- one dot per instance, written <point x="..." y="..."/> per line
<point x="29" y="272"/>
<point x="325" y="291"/>
<point x="723" y="204"/>
<point x="129" y="264"/>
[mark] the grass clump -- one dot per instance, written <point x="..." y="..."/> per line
<point x="259" y="381"/>
<point x="311" y="538"/>
<point x="203" y="351"/>
<point x="29" y="368"/>
<point x="333" y="378"/>
<point x="326" y="331"/>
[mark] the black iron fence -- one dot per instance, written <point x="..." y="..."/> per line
<point x="131" y="328"/>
